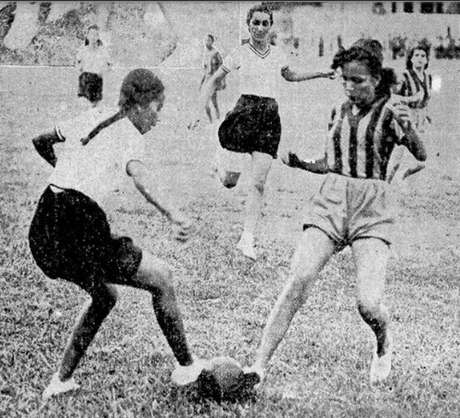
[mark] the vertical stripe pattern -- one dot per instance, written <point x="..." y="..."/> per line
<point x="412" y="85"/>
<point x="361" y="144"/>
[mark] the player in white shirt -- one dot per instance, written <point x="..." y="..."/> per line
<point x="254" y="125"/>
<point x="92" y="61"/>
<point x="70" y="237"/>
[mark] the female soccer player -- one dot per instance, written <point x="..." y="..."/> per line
<point x="352" y="205"/>
<point x="416" y="91"/>
<point x="70" y="237"/>
<point x="212" y="60"/>
<point x="93" y="60"/>
<point x="253" y="126"/>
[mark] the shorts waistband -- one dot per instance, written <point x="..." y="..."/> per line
<point x="256" y="98"/>
<point x="56" y="189"/>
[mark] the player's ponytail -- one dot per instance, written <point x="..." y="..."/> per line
<point x="139" y="87"/>
<point x="104" y="124"/>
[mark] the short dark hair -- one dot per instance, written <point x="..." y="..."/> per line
<point x="368" y="51"/>
<point x="410" y="54"/>
<point x="262" y="8"/>
<point x="358" y="53"/>
<point x="210" y="35"/>
<point x="140" y="86"/>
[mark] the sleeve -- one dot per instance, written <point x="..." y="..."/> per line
<point x="66" y="129"/>
<point x="396" y="131"/>
<point x="77" y="127"/>
<point x="232" y="61"/>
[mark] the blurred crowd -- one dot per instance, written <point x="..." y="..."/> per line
<point x="444" y="47"/>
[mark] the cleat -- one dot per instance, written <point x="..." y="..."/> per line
<point x="185" y="375"/>
<point x="246" y="246"/>
<point x="57" y="387"/>
<point x="252" y="378"/>
<point x="381" y="366"/>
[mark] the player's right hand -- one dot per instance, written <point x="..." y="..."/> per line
<point x="290" y="159"/>
<point x="182" y="226"/>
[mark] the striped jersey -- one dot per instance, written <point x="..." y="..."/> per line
<point x="411" y="84"/>
<point x="359" y="144"/>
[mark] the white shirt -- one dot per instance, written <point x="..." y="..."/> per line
<point x="260" y="74"/>
<point x="93" y="60"/>
<point x="99" y="168"/>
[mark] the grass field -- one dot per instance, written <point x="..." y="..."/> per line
<point x="321" y="369"/>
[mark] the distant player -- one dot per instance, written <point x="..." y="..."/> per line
<point x="416" y="90"/>
<point x="253" y="126"/>
<point x="212" y="60"/>
<point x="352" y="206"/>
<point x="93" y="60"/>
<point x="71" y="239"/>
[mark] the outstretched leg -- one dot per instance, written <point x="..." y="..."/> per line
<point x="313" y="251"/>
<point x="216" y="105"/>
<point x="261" y="164"/>
<point x="155" y="276"/>
<point x="371" y="257"/>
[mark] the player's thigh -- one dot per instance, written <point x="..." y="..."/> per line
<point x="371" y="259"/>
<point x="261" y="164"/>
<point x="152" y="273"/>
<point x="313" y="251"/>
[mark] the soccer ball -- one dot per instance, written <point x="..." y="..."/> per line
<point x="222" y="379"/>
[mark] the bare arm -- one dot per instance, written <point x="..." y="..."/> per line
<point x="145" y="185"/>
<point x="411" y="138"/>
<point x="292" y="75"/>
<point x="315" y="166"/>
<point x="414" y="143"/>
<point x="44" y="146"/>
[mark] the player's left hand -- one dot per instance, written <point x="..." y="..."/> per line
<point x="331" y="75"/>
<point x="402" y="113"/>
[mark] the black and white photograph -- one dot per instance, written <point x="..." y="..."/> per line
<point x="230" y="209"/>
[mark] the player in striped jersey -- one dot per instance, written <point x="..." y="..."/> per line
<point x="352" y="206"/>
<point x="415" y="89"/>
<point x="254" y="125"/>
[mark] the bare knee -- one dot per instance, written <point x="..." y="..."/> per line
<point x="368" y="307"/>
<point x="230" y="180"/>
<point x="296" y="291"/>
<point x="105" y="299"/>
<point x="228" y="183"/>
<point x="163" y="280"/>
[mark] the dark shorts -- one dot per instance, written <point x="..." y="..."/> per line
<point x="253" y="125"/>
<point x="90" y="86"/>
<point x="70" y="239"/>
